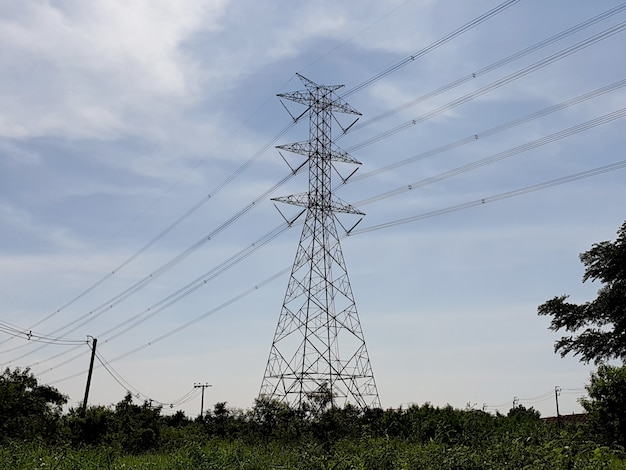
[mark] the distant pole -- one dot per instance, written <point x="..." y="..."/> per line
<point x="557" y="390"/>
<point x="93" y="355"/>
<point x="202" y="386"/>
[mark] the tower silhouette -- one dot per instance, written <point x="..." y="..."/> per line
<point x="318" y="356"/>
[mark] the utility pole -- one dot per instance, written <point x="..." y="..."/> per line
<point x="93" y="355"/>
<point x="202" y="386"/>
<point x="318" y="357"/>
<point x="557" y="392"/>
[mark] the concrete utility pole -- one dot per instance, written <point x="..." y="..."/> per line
<point x="93" y="355"/>
<point x="202" y="386"/>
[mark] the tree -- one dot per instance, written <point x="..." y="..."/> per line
<point x="603" y="320"/>
<point x="274" y="419"/>
<point x="27" y="409"/>
<point x="521" y="413"/>
<point x="92" y="428"/>
<point x="606" y="405"/>
<point x="137" y="427"/>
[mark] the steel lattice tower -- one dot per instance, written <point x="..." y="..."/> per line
<point x="318" y="357"/>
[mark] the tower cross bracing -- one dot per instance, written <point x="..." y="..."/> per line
<point x="318" y="356"/>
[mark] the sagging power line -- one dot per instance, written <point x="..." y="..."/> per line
<point x="200" y="282"/>
<point x="242" y="168"/>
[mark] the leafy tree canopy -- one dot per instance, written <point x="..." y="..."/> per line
<point x="600" y="324"/>
<point x="28" y="408"/>
<point x="606" y="404"/>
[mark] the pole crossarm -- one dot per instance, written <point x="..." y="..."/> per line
<point x="203" y="387"/>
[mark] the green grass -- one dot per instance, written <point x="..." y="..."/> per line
<point x="364" y="453"/>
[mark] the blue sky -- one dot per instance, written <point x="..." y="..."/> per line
<point x="117" y="117"/>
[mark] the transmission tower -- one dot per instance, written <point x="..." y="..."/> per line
<point x="318" y="357"/>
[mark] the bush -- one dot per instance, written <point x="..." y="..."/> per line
<point x="28" y="410"/>
<point x="606" y="405"/>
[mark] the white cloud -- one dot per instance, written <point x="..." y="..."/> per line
<point x="18" y="156"/>
<point x="96" y="70"/>
<point x="25" y="226"/>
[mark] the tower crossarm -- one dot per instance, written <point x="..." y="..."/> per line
<point x="306" y="149"/>
<point x="312" y="86"/>
<point x="319" y="97"/>
<point x="304" y="200"/>
<point x="330" y="104"/>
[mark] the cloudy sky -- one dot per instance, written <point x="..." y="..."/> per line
<point x="135" y="137"/>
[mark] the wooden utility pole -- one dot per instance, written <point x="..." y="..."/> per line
<point x="202" y="386"/>
<point x="557" y="390"/>
<point x="93" y="355"/>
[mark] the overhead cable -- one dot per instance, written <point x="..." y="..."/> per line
<point x="140" y="284"/>
<point x="174" y="224"/>
<point x="492" y="86"/>
<point x="194" y="285"/>
<point x="518" y="192"/>
<point x="491" y="131"/>
<point x="416" y="55"/>
<point x="491" y="67"/>
<point x="190" y="395"/>
<point x="191" y="322"/>
<point x="620" y="113"/>
<point x="30" y="336"/>
<point x="254" y="157"/>
<point x="499" y="197"/>
<point x="175" y="297"/>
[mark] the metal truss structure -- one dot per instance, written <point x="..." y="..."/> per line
<point x="318" y="357"/>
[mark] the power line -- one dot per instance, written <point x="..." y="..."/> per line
<point x="170" y="227"/>
<point x="518" y="192"/>
<point x="138" y="285"/>
<point x="107" y="305"/>
<point x="500" y="156"/>
<point x="189" y="323"/>
<point x="346" y="41"/>
<point x="254" y="157"/>
<point x="492" y="131"/>
<point x="416" y="55"/>
<point x="198" y="283"/>
<point x="56" y="356"/>
<point x="191" y="287"/>
<point x="474" y="165"/>
<point x="28" y="335"/>
<point x="492" y="86"/>
<point x="528" y="401"/>
<point x="495" y="65"/>
<point x="266" y="147"/>
<point x="498" y="197"/>
<point x="178" y="295"/>
<point x="190" y="395"/>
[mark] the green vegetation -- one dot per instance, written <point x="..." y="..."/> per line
<point x="28" y="410"/>
<point x="271" y="435"/>
<point x="602" y="322"/>
<point x="34" y="433"/>
<point x="606" y="405"/>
